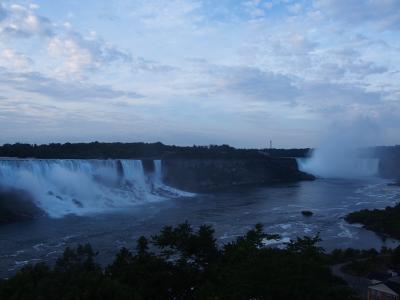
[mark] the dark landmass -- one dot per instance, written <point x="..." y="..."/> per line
<point x="295" y="152"/>
<point x="389" y="161"/>
<point x="359" y="267"/>
<point x="204" y="175"/>
<point x="340" y="256"/>
<point x="17" y="205"/>
<point x="138" y="151"/>
<point x="194" y="169"/>
<point x="373" y="264"/>
<point x="307" y="213"/>
<point x="385" y="222"/>
<point x="186" y="264"/>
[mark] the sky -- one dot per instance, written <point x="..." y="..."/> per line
<point x="184" y="72"/>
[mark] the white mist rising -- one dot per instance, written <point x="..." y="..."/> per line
<point x="339" y="155"/>
<point x="343" y="163"/>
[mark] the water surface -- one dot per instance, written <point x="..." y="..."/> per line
<point x="232" y="213"/>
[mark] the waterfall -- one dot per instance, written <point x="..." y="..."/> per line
<point x="68" y="186"/>
<point x="339" y="166"/>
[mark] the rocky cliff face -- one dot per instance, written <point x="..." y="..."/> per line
<point x="389" y="167"/>
<point x="17" y="205"/>
<point x="202" y="175"/>
<point x="389" y="161"/>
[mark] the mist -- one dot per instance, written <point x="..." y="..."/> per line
<point x="343" y="151"/>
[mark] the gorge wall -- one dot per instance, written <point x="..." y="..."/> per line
<point x="389" y="167"/>
<point x="389" y="161"/>
<point x="17" y="205"/>
<point x="203" y="175"/>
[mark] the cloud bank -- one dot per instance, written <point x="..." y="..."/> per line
<point x="198" y="71"/>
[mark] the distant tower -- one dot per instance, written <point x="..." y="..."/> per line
<point x="270" y="144"/>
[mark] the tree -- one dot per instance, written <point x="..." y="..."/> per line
<point x="186" y="264"/>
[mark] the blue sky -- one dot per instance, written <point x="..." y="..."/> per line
<point x="199" y="71"/>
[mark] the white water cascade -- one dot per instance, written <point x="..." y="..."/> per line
<point x="61" y="186"/>
<point x="339" y="165"/>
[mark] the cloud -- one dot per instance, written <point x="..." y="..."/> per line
<point x="143" y="64"/>
<point x="23" y="22"/>
<point x="255" y="84"/>
<point x="166" y="14"/>
<point x="78" y="53"/>
<point x="75" y="52"/>
<point x="3" y="12"/>
<point x="74" y="56"/>
<point x="339" y="68"/>
<point x="58" y="90"/>
<point x="324" y="92"/>
<point x="11" y="59"/>
<point x="381" y="14"/>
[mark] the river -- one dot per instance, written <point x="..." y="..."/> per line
<point x="231" y="213"/>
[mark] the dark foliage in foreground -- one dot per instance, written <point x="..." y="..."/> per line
<point x="383" y="221"/>
<point x="188" y="265"/>
<point x="138" y="150"/>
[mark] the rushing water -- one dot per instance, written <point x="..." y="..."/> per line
<point x="66" y="186"/>
<point x="231" y="213"/>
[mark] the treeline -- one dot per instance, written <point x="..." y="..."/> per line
<point x="375" y="265"/>
<point x="183" y="263"/>
<point x="159" y="150"/>
<point x="385" y="222"/>
<point x="138" y="150"/>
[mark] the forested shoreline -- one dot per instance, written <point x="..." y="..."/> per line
<point x="186" y="263"/>
<point x="385" y="222"/>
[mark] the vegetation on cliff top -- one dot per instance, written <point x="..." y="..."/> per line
<point x="185" y="264"/>
<point x="385" y="222"/>
<point x="138" y="150"/>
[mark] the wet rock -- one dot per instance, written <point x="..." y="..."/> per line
<point x="307" y="213"/>
<point x="17" y="205"/>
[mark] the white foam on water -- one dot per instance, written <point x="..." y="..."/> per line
<point x="285" y="226"/>
<point x="346" y="231"/>
<point x="283" y="241"/>
<point x="68" y="186"/>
